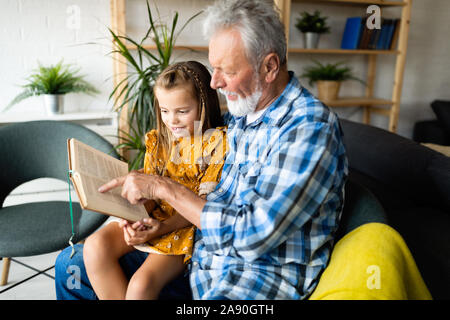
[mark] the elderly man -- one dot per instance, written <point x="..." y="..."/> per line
<point x="267" y="230"/>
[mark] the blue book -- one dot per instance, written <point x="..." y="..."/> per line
<point x="390" y="32"/>
<point x="382" y="37"/>
<point x="352" y="32"/>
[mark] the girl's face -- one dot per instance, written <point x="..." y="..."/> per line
<point x="179" y="109"/>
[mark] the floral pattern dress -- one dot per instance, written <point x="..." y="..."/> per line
<point x="195" y="163"/>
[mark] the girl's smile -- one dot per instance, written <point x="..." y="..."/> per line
<point x="179" y="109"/>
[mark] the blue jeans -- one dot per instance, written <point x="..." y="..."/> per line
<point x="72" y="283"/>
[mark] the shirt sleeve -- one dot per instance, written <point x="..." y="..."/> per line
<point x="288" y="192"/>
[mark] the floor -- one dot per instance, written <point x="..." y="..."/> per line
<point x="30" y="278"/>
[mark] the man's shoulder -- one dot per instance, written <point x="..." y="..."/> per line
<point x="305" y="108"/>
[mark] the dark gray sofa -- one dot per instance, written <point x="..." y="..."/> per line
<point x="412" y="183"/>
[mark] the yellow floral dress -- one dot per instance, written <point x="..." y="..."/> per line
<point x="195" y="163"/>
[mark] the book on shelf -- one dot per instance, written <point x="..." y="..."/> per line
<point x="358" y="36"/>
<point x="352" y="32"/>
<point x="91" y="168"/>
<point x="366" y="34"/>
<point x="383" y="34"/>
<point x="395" y="35"/>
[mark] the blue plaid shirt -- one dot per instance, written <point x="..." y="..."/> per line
<point x="268" y="228"/>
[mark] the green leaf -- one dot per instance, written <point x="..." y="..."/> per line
<point x="55" y="79"/>
<point x="329" y="71"/>
<point x="136" y="89"/>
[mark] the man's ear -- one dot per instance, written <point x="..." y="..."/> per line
<point x="270" y="67"/>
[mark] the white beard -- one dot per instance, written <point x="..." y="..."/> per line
<point x="242" y="106"/>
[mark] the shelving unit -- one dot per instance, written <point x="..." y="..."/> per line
<point x="370" y="104"/>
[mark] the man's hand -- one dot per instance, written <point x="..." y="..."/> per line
<point x="137" y="187"/>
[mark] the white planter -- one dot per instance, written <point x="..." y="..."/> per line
<point x="54" y="103"/>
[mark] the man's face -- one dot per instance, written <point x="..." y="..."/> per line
<point x="233" y="74"/>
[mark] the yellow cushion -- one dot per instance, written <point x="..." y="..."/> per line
<point x="370" y="263"/>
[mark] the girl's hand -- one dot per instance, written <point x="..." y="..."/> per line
<point x="141" y="231"/>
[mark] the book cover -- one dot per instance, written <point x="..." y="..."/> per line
<point x="390" y="32"/>
<point x="374" y="39"/>
<point x="396" y="34"/>
<point x="382" y="36"/>
<point x="352" y="32"/>
<point x="364" y="34"/>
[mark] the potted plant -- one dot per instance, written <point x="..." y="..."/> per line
<point x="136" y="89"/>
<point x="312" y="26"/>
<point x="53" y="83"/>
<point x="328" y="78"/>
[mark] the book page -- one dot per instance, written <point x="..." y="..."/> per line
<point x="91" y="169"/>
<point x="87" y="160"/>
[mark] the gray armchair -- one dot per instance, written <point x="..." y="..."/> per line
<point x="32" y="150"/>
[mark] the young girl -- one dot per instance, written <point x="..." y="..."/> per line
<point x="183" y="149"/>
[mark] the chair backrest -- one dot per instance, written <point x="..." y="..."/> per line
<point x="360" y="207"/>
<point x="38" y="149"/>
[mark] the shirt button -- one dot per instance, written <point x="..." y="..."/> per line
<point x="220" y="190"/>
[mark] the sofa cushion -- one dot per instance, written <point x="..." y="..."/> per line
<point x="442" y="110"/>
<point x="439" y="172"/>
<point x="389" y="197"/>
<point x="431" y="131"/>
<point x="425" y="231"/>
<point x="360" y="207"/>
<point x="397" y="162"/>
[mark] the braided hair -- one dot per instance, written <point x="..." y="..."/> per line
<point x="198" y="77"/>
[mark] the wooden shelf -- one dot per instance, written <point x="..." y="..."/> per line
<point x="357" y="102"/>
<point x="369" y="105"/>
<point x="341" y="51"/>
<point x="375" y="105"/>
<point x="387" y="3"/>
<point x="290" y="50"/>
<point x="153" y="47"/>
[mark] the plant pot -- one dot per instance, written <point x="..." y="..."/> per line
<point x="53" y="103"/>
<point x="311" y="40"/>
<point x="328" y="90"/>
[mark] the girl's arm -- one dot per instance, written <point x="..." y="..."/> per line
<point x="175" y="222"/>
<point x="149" y="228"/>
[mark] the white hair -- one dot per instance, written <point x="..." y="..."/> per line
<point x="258" y="22"/>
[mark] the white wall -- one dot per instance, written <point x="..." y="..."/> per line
<point x="32" y="30"/>
<point x="47" y="31"/>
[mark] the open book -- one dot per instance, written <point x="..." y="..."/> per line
<point x="91" y="168"/>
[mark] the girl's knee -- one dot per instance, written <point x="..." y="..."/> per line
<point x="143" y="286"/>
<point x="95" y="247"/>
